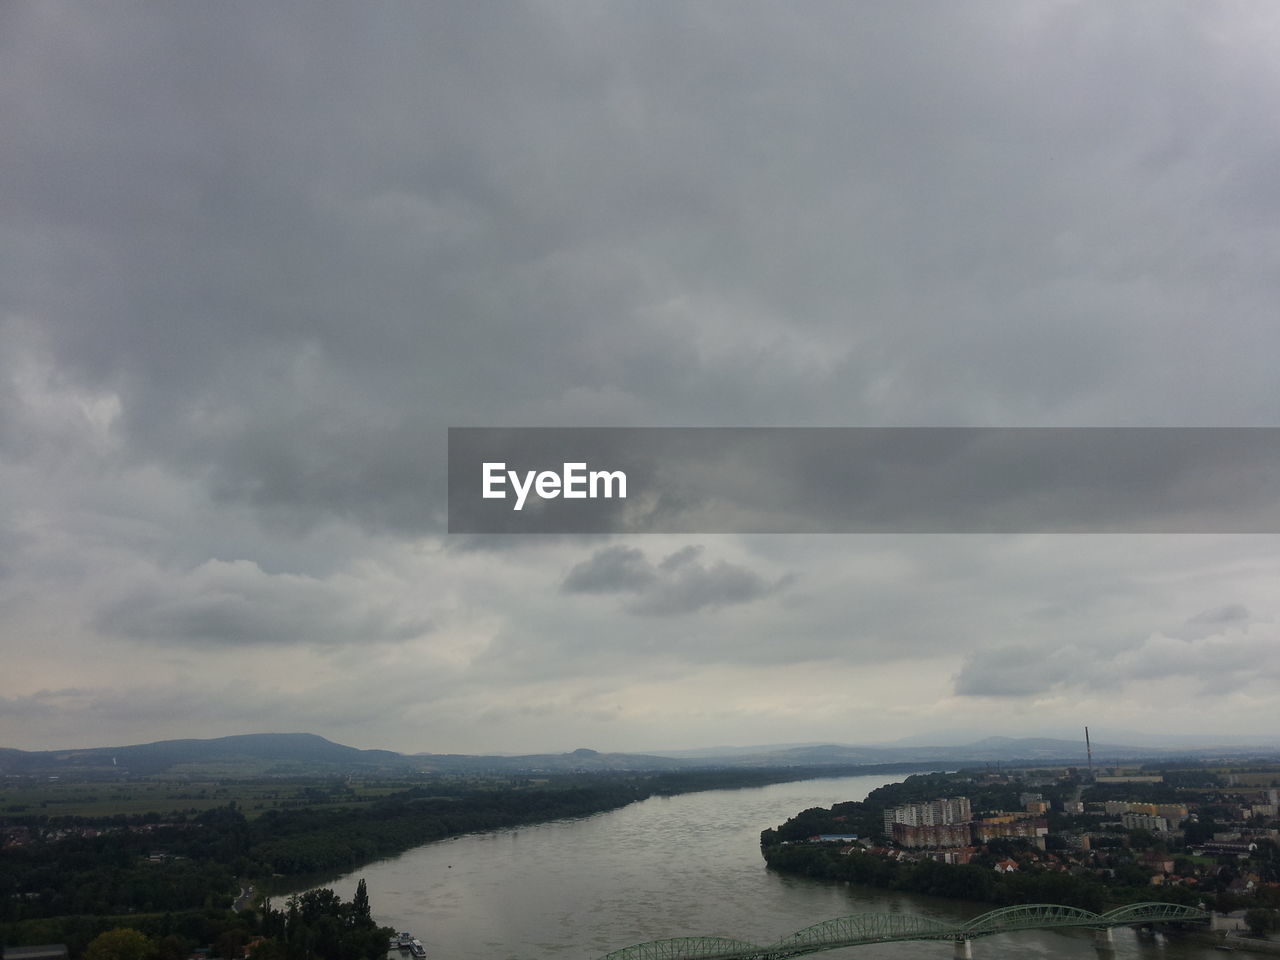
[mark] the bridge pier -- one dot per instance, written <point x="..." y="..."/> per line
<point x="964" y="950"/>
<point x="1103" y="940"/>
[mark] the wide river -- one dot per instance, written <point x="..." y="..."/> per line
<point x="666" y="867"/>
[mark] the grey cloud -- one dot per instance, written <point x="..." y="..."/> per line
<point x="691" y="586"/>
<point x="1209" y="651"/>
<point x="101" y="716"/>
<point x="238" y="603"/>
<point x="677" y="584"/>
<point x="1006" y="672"/>
<point x="611" y="570"/>
<point x="684" y="555"/>
<point x="297" y="260"/>
<point x="40" y="707"/>
<point x="250" y="706"/>
<point x="254" y="264"/>
<point x="1212" y="621"/>
<point x="1221" y="661"/>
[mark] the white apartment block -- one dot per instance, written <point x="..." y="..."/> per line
<point x="934" y="813"/>
<point x="1144" y="821"/>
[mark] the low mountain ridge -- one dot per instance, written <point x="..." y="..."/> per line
<point x="262" y="752"/>
<point x="308" y="754"/>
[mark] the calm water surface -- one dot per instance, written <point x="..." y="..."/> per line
<point x="667" y="867"/>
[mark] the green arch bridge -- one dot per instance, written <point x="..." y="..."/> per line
<point x="865" y="928"/>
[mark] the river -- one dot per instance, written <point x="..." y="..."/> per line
<point x="666" y="867"/>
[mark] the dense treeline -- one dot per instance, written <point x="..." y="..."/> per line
<point x="922" y="787"/>
<point x="177" y="874"/>
<point x="966" y="882"/>
<point x="311" y="841"/>
<point x="316" y="925"/>
<point x="191" y="862"/>
<point x="112" y="873"/>
<point x="174" y="935"/>
<point x="694" y="780"/>
<point x="866" y="817"/>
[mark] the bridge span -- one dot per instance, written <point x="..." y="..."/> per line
<point x="866" y="928"/>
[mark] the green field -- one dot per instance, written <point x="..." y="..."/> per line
<point x="99" y="799"/>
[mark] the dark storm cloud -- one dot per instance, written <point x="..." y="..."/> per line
<point x="299" y="246"/>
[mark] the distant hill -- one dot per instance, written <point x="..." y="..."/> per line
<point x="254" y="753"/>
<point x="301" y="754"/>
<point x="306" y="754"/>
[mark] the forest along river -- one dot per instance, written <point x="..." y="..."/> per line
<point x="666" y="867"/>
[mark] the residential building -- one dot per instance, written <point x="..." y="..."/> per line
<point x="932" y="835"/>
<point x="1006" y="827"/>
<point x="1144" y="821"/>
<point x="933" y="813"/>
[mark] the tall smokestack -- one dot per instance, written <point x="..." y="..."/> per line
<point x="1088" y="749"/>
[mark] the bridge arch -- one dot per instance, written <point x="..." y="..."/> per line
<point x="866" y="928"/>
<point x="688" y="948"/>
<point x="1153" y="912"/>
<point x="1026" y="916"/>
<point x="862" y="928"/>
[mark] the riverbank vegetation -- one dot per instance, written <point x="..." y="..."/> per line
<point x="316" y="925"/>
<point x="67" y="878"/>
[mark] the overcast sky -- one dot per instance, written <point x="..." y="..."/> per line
<point x="255" y="259"/>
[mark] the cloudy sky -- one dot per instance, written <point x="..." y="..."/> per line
<point x="256" y="259"/>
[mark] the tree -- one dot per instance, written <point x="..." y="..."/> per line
<point x="270" y="950"/>
<point x="1142" y="839"/>
<point x="1200" y="830"/>
<point x="230" y="943"/>
<point x="1261" y="921"/>
<point x="172" y="947"/>
<point x="123" y="943"/>
<point x="360" y="915"/>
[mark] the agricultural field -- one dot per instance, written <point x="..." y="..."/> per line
<point x="99" y="798"/>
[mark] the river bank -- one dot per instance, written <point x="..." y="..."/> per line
<point x="1236" y="941"/>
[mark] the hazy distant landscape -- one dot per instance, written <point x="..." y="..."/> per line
<point x="300" y="754"/>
